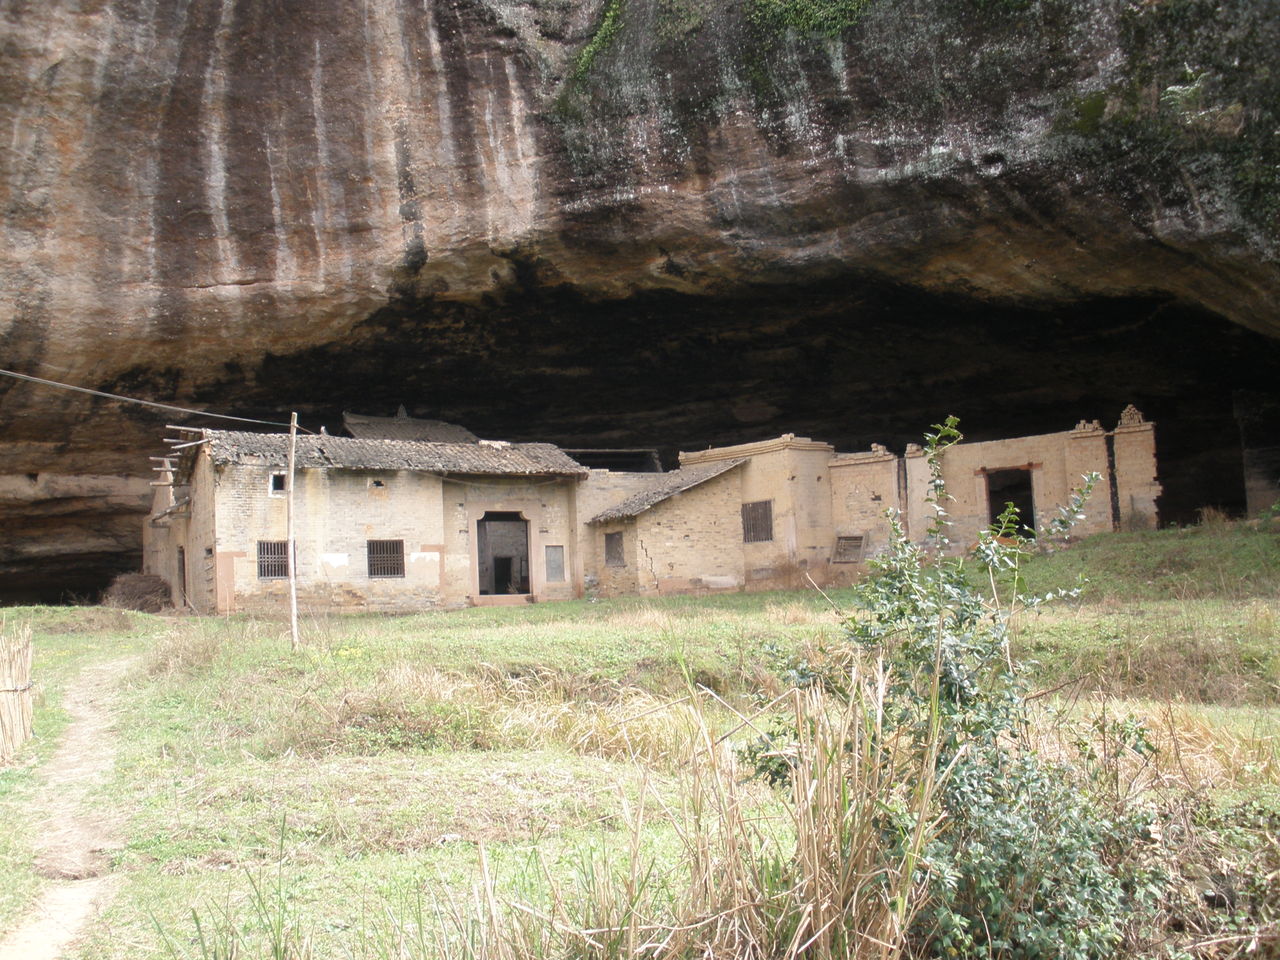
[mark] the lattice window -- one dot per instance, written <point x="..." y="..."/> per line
<point x="848" y="549"/>
<point x="555" y="564"/>
<point x="273" y="559"/>
<point x="757" y="521"/>
<point x="613" y="555"/>
<point x="386" y="558"/>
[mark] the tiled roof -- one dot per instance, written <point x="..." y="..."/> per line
<point x="405" y="428"/>
<point x="487" y="457"/>
<point x="664" y="486"/>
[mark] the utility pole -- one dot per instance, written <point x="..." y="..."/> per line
<point x="290" y="549"/>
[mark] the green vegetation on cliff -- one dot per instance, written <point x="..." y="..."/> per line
<point x="830" y="17"/>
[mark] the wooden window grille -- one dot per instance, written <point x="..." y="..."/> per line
<point x="757" y="521"/>
<point x="273" y="559"/>
<point x="848" y="549"/>
<point x="613" y="556"/>
<point x="555" y="564"/>
<point x="386" y="558"/>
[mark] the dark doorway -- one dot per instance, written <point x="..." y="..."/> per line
<point x="1011" y="486"/>
<point x="182" y="578"/>
<point x="502" y="553"/>
<point x="503" y="568"/>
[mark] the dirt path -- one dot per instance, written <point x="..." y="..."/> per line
<point x="75" y="841"/>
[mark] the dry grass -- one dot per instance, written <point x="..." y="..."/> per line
<point x="138" y="591"/>
<point x="814" y="877"/>
<point x="793" y="612"/>
<point x="408" y="706"/>
<point x="1145" y="746"/>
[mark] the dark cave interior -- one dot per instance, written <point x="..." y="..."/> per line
<point x="849" y="363"/>
<point x="852" y="362"/>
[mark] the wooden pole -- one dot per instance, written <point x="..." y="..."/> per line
<point x="15" y="689"/>
<point x="290" y="549"/>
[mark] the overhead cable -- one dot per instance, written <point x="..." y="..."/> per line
<point x="145" y="403"/>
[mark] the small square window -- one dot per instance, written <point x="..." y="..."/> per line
<point x="555" y="564"/>
<point x="273" y="559"/>
<point x="757" y="521"/>
<point x="386" y="558"/>
<point x="279" y="484"/>
<point x="848" y="550"/>
<point x="613" y="556"/>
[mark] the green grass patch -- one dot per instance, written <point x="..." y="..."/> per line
<point x="1208" y="651"/>
<point x="1228" y="560"/>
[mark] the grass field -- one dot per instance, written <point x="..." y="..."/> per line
<point x="392" y="787"/>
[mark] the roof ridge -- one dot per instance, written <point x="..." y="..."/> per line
<point x="663" y="488"/>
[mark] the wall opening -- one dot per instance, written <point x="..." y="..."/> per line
<point x="182" y="578"/>
<point x="502" y="553"/>
<point x="1011" y="486"/>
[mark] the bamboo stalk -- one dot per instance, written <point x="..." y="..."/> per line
<point x="15" y="690"/>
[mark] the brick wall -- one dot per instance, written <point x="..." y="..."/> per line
<point x="1137" y="488"/>
<point x="547" y="505"/>
<point x="613" y="581"/>
<point x="784" y="471"/>
<point x="599" y="491"/>
<point x="336" y="512"/>
<point x="692" y="542"/>
<point x="1057" y="463"/>
<point x="864" y="486"/>
<point x="201" y="540"/>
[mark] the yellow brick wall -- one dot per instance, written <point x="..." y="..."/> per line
<point x="692" y="542"/>
<point x="547" y="504"/>
<point x="863" y="488"/>
<point x="785" y="471"/>
<point x="335" y="513"/>
<point x="1137" y="488"/>
<point x="599" y="491"/>
<point x="1057" y="460"/>
<point x="613" y="581"/>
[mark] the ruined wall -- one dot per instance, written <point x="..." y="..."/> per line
<point x="614" y="580"/>
<point x="1057" y="463"/>
<point x="159" y="540"/>
<point x="1137" y="489"/>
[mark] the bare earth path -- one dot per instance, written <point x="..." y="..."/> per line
<point x="73" y="847"/>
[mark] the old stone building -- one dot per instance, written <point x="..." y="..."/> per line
<point x="379" y="524"/>
<point x="405" y="524"/>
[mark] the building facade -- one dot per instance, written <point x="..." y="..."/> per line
<point x="398" y="525"/>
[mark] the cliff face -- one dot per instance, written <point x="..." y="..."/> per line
<point x="657" y="221"/>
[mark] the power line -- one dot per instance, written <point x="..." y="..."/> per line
<point x="145" y="403"/>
